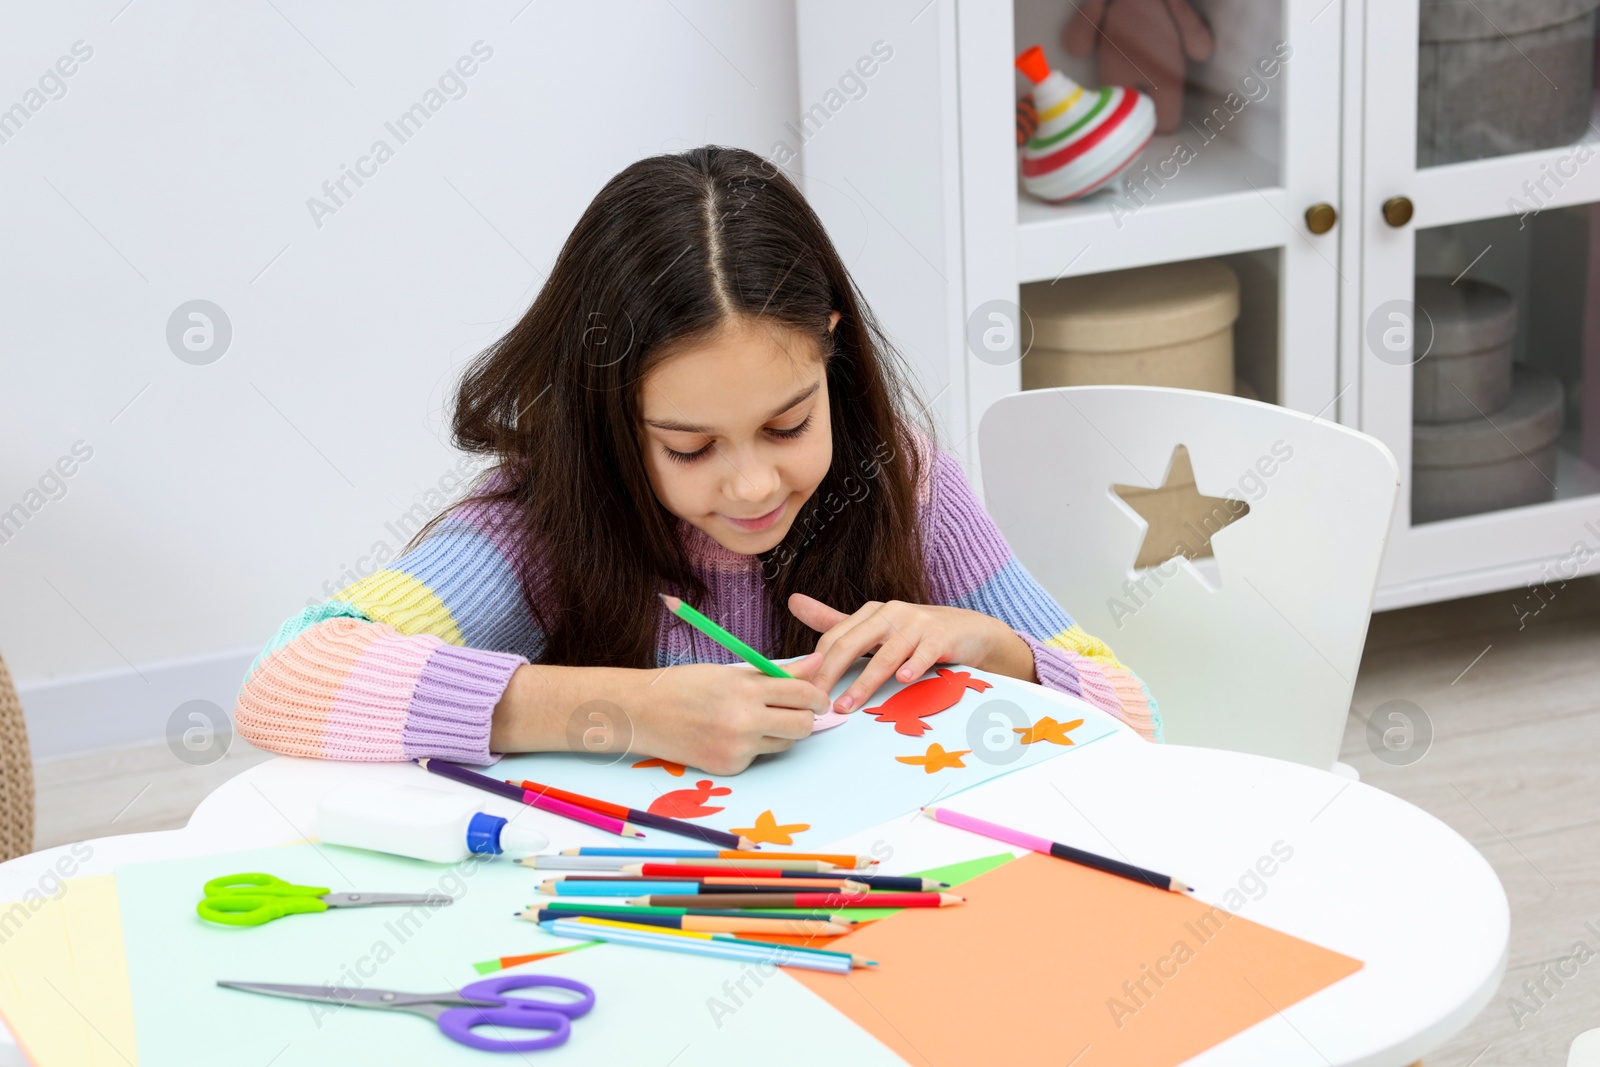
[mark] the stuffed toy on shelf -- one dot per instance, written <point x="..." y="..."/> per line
<point x="1143" y="43"/>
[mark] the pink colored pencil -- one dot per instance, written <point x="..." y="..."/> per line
<point x="467" y="776"/>
<point x="1055" y="848"/>
<point x="608" y="823"/>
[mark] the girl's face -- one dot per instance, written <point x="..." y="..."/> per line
<point x="735" y="432"/>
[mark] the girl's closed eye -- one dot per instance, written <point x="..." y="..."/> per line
<point x="793" y="431"/>
<point x="705" y="450"/>
<point x="687" y="457"/>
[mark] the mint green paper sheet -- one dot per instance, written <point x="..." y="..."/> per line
<point x="651" y="1007"/>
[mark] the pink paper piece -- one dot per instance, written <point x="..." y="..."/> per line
<point x="828" y="721"/>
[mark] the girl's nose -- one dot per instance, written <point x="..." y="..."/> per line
<point x="755" y="482"/>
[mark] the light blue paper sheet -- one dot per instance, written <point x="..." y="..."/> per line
<point x="845" y="779"/>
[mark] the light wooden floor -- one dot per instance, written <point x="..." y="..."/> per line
<point x="126" y="791"/>
<point x="1514" y="766"/>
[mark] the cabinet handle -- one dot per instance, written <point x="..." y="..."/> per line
<point x="1320" y="218"/>
<point x="1397" y="211"/>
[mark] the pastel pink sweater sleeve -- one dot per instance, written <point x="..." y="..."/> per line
<point x="410" y="661"/>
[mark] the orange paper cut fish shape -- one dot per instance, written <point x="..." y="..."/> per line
<point x="936" y="758"/>
<point x="674" y="769"/>
<point x="689" y="803"/>
<point x="766" y="831"/>
<point x="1047" y="729"/>
<point x="907" y="708"/>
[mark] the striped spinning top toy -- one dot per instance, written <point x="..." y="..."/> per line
<point x="1084" y="139"/>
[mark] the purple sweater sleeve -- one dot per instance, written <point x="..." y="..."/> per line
<point x="409" y="661"/>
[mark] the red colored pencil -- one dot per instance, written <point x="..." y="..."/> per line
<point x="802" y="900"/>
<point x="641" y="818"/>
<point x="689" y="870"/>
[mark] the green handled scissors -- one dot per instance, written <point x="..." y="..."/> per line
<point x="252" y="898"/>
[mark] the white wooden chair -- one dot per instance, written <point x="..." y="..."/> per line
<point x="1255" y="649"/>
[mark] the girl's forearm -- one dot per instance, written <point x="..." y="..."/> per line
<point x="559" y="709"/>
<point x="1010" y="655"/>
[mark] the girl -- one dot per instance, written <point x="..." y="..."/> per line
<point x="697" y="403"/>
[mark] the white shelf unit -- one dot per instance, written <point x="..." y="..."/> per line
<point x="1338" y="127"/>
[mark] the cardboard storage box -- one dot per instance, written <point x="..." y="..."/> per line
<point x="1170" y="324"/>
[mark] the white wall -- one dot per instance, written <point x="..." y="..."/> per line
<point x="880" y="172"/>
<point x="177" y="166"/>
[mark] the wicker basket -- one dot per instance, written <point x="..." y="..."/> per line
<point x="16" y="773"/>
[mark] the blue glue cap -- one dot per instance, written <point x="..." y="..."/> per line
<point x="489" y="834"/>
<point x="483" y="833"/>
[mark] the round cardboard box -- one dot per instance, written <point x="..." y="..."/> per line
<point x="1476" y="465"/>
<point x="1466" y="370"/>
<point x="1170" y="325"/>
<point x="1501" y="76"/>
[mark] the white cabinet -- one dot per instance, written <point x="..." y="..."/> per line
<point x="1519" y="221"/>
<point x="1303" y="103"/>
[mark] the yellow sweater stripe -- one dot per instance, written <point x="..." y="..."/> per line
<point x="404" y="602"/>
<point x="1073" y="639"/>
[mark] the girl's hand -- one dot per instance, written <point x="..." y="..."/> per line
<point x="909" y="638"/>
<point x="719" y="717"/>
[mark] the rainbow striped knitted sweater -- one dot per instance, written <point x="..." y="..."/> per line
<point x="411" y="660"/>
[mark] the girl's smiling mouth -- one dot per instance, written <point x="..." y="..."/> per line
<point x="760" y="522"/>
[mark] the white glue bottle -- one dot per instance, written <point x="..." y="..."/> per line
<point x="425" y="824"/>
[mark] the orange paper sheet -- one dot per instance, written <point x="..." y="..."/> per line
<point x="1047" y="959"/>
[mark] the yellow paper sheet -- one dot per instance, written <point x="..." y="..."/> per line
<point x="64" y="977"/>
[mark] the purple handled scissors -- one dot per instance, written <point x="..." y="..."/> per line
<point x="479" y="1004"/>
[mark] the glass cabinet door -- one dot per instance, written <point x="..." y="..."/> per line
<point x="1478" y="314"/>
<point x="1501" y="77"/>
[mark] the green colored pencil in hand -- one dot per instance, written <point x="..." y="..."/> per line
<point x="723" y="637"/>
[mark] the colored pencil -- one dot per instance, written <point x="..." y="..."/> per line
<point x="758" y="861"/>
<point x="716" y="924"/>
<point x="511" y="792"/>
<point x="792" y="879"/>
<point x="641" y="818"/>
<point x="546" y="862"/>
<point x="501" y="963"/>
<point x="1056" y="849"/>
<point x="807" y="900"/>
<point x="723" y="637"/>
<point x="726" y="950"/>
<point x="721" y="913"/>
<point x="715" y="876"/>
<point x="592" y="886"/>
<point x="837" y="859"/>
<point x="615" y="924"/>
<point x="756" y="882"/>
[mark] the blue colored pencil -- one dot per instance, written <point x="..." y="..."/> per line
<point x="694" y="946"/>
<point x="668" y="853"/>
<point x="831" y="858"/>
<point x="609" y="887"/>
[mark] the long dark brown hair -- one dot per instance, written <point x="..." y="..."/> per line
<point x="671" y="249"/>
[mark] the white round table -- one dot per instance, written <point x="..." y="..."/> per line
<point x="1368" y="875"/>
